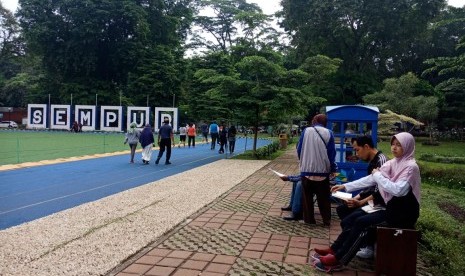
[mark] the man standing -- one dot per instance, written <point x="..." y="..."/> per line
<point x="214" y="130"/>
<point x="165" y="140"/>
<point x="204" y="128"/>
<point x="317" y="153"/>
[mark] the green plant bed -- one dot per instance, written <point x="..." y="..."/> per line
<point x="442" y="228"/>
<point x="442" y="159"/>
<point x="445" y="175"/>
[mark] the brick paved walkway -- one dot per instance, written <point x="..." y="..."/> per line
<point x="242" y="233"/>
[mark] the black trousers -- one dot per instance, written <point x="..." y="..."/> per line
<point x="322" y="191"/>
<point x="165" y="143"/>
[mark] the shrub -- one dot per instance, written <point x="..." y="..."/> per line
<point x="445" y="175"/>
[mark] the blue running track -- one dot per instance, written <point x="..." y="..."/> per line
<point x="31" y="193"/>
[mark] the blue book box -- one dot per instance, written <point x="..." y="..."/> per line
<point x="347" y="122"/>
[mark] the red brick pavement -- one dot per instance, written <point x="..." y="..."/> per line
<point x="241" y="233"/>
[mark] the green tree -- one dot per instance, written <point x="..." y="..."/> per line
<point x="449" y="73"/>
<point x="375" y="39"/>
<point x="11" y="52"/>
<point x="399" y="95"/>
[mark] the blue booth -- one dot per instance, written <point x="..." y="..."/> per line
<point x="347" y="122"/>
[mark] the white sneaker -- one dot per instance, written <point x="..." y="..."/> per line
<point x="366" y="252"/>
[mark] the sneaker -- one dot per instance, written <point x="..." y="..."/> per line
<point x="167" y="163"/>
<point x="324" y="252"/>
<point x="366" y="253"/>
<point x="316" y="256"/>
<point x="157" y="161"/>
<point x="327" y="268"/>
<point x="329" y="260"/>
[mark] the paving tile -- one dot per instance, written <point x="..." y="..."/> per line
<point x="197" y="223"/>
<point x="179" y="254"/>
<point x="248" y="228"/>
<point x="203" y="257"/>
<point x="160" y="271"/>
<point x="295" y="259"/>
<point x="148" y="259"/>
<point x="258" y="219"/>
<point x="172" y="262"/>
<point x="125" y="274"/>
<point x="304" y="245"/>
<point x="193" y="264"/>
<point x="300" y="239"/>
<point x="255" y="247"/>
<point x="219" y="268"/>
<point x="187" y="272"/>
<point x="236" y="222"/>
<point x="272" y="256"/>
<point x="258" y="240"/>
<point x="251" y="223"/>
<point x="262" y="235"/>
<point x="159" y="252"/>
<point x="280" y="237"/>
<point x="230" y="226"/>
<point x="251" y="254"/>
<point x="223" y="259"/>
<point x="240" y="218"/>
<point x="275" y="249"/>
<point x="218" y="220"/>
<point x="137" y="268"/>
<point x="297" y="251"/>
<point x="277" y="242"/>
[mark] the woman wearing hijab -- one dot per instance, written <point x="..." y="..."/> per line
<point x="397" y="182"/>
<point x="132" y="138"/>
<point x="146" y="140"/>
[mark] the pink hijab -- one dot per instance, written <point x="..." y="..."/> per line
<point x="403" y="168"/>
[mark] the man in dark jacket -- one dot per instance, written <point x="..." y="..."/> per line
<point x="165" y="141"/>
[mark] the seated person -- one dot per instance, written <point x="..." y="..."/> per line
<point x="295" y="204"/>
<point x="365" y="150"/>
<point x="398" y="183"/>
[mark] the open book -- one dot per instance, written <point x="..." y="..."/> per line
<point x="371" y="208"/>
<point x="342" y="195"/>
<point x="277" y="173"/>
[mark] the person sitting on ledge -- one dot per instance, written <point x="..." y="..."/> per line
<point x="398" y="183"/>
<point x="295" y="204"/>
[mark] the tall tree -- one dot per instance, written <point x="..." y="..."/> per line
<point x="449" y="73"/>
<point x="374" y="38"/>
<point x="406" y="96"/>
<point x="11" y="52"/>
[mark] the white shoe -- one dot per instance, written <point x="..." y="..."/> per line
<point x="366" y="252"/>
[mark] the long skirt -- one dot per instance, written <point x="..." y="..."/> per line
<point x="147" y="152"/>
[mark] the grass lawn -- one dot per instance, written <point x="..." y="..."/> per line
<point x="26" y="146"/>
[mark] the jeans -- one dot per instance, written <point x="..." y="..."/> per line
<point x="296" y="199"/>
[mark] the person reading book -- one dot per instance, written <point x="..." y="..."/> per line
<point x="365" y="150"/>
<point x="295" y="203"/>
<point x="398" y="182"/>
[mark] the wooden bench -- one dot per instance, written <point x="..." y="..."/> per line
<point x="396" y="251"/>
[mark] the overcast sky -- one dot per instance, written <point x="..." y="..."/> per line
<point x="268" y="6"/>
